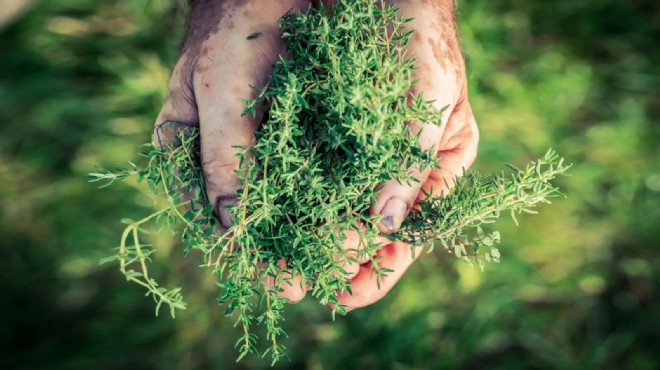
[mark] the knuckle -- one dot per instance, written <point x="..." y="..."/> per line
<point x="360" y="299"/>
<point x="220" y="174"/>
<point x="165" y="132"/>
<point x="296" y="295"/>
<point x="293" y="291"/>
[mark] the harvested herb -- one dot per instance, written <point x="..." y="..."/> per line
<point x="333" y="131"/>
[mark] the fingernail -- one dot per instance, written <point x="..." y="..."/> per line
<point x="393" y="213"/>
<point x="221" y="210"/>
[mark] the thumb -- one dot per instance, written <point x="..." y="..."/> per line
<point x="223" y="129"/>
<point x="457" y="151"/>
<point x="231" y="65"/>
<point x="209" y="99"/>
<point x="396" y="199"/>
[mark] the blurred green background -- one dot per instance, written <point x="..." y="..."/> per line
<point x="81" y="82"/>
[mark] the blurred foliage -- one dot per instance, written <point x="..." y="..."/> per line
<point x="81" y="82"/>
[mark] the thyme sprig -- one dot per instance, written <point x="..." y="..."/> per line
<point x="332" y="131"/>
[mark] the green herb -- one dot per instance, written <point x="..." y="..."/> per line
<point x="332" y="133"/>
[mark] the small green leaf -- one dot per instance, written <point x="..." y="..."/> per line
<point x="105" y="260"/>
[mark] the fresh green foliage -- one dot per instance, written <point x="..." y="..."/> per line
<point x="332" y="133"/>
<point x="577" y="288"/>
<point x="478" y="200"/>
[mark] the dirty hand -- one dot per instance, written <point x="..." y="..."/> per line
<point x="230" y="45"/>
<point x="441" y="77"/>
<point x="233" y="44"/>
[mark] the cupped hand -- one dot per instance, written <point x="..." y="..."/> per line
<point x="441" y="78"/>
<point x="231" y="45"/>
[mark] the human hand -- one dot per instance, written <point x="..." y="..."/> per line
<point x="219" y="62"/>
<point x="441" y="77"/>
<point x="230" y="45"/>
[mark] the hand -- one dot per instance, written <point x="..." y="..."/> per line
<point x="441" y="76"/>
<point x="230" y="45"/>
<point x="218" y="63"/>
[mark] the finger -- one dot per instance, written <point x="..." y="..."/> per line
<point x="365" y="287"/>
<point x="229" y="62"/>
<point x="355" y="245"/>
<point x="179" y="109"/>
<point x="177" y="114"/>
<point x="457" y="151"/>
<point x="292" y="287"/>
<point x="355" y="249"/>
<point x="396" y="199"/>
<point x="439" y="63"/>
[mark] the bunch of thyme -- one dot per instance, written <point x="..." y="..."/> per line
<point x="331" y="134"/>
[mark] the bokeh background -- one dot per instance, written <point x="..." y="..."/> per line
<point x="81" y="82"/>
